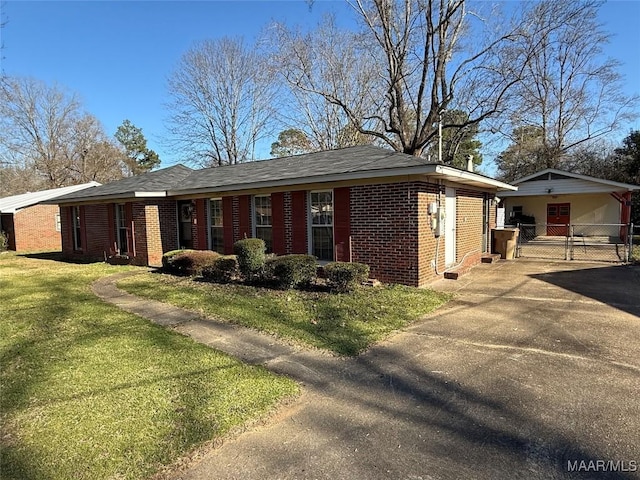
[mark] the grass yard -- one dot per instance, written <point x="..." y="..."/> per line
<point x="345" y="324"/>
<point x="92" y="392"/>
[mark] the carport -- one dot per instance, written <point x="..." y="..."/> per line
<point x="568" y="216"/>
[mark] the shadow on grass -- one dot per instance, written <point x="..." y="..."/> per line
<point x="55" y="323"/>
<point x="60" y="257"/>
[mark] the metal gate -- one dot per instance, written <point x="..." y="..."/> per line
<point x="590" y="242"/>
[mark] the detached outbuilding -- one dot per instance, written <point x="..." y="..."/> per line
<point x="557" y="198"/>
<point x="409" y="220"/>
<point x="31" y="226"/>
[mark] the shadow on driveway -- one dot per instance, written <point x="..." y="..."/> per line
<point x="617" y="286"/>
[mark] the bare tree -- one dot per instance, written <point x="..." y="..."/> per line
<point x="222" y="102"/>
<point x="44" y="132"/>
<point x="418" y="59"/>
<point x="570" y="93"/>
<point x="318" y="62"/>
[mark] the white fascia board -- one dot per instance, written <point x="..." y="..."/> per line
<point x="625" y="186"/>
<point x="463" y="176"/>
<point x="149" y="194"/>
<point x="427" y="169"/>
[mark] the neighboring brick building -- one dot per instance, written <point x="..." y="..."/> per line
<point x="407" y="219"/>
<point x="30" y="226"/>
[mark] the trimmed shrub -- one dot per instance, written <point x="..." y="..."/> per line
<point x="167" y="259"/>
<point x="291" y="271"/>
<point x="250" y="253"/>
<point x="192" y="262"/>
<point x="223" y="270"/>
<point x="346" y="276"/>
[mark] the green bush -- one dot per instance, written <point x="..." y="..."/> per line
<point x="223" y="270"/>
<point x="167" y="259"/>
<point x="192" y="262"/>
<point x="291" y="271"/>
<point x="4" y="242"/>
<point x="250" y="253"/>
<point x="346" y="276"/>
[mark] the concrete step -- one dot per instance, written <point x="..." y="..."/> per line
<point x="458" y="272"/>
<point x="490" y="258"/>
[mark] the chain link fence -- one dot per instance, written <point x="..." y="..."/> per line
<point x="590" y="242"/>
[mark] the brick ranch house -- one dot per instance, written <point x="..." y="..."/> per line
<point x="30" y="226"/>
<point x="407" y="219"/>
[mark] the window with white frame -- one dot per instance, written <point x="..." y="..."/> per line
<point x="122" y="237"/>
<point x="262" y="219"/>
<point x="77" y="233"/>
<point x="57" y="221"/>
<point x="321" y="206"/>
<point x="216" y="237"/>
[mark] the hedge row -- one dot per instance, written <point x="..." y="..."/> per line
<point x="251" y="264"/>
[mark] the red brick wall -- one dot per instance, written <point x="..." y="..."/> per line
<point x="35" y="229"/>
<point x="95" y="226"/>
<point x="389" y="233"/>
<point x="430" y="247"/>
<point x="154" y="230"/>
<point x="469" y="222"/>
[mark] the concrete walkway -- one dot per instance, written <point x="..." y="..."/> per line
<point x="532" y="367"/>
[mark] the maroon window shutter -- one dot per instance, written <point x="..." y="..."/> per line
<point x="201" y="224"/>
<point x="111" y="219"/>
<point x="131" y="234"/>
<point x="69" y="214"/>
<point x="245" y="216"/>
<point x="277" y="223"/>
<point x="227" y="224"/>
<point x="342" y="223"/>
<point x="83" y="229"/>
<point x="299" y="221"/>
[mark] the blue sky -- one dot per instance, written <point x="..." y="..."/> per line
<point x="117" y="55"/>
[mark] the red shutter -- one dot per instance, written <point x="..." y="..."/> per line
<point x="131" y="234"/>
<point x="227" y="224"/>
<point x="111" y="220"/>
<point x="245" y="216"/>
<point x="83" y="230"/>
<point x="299" y="222"/>
<point x="342" y="223"/>
<point x="277" y="223"/>
<point x="201" y="224"/>
<point x="70" y="242"/>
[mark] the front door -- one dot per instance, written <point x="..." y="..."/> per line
<point x="185" y="237"/>
<point x="558" y="217"/>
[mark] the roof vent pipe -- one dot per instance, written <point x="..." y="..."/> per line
<point x="470" y="163"/>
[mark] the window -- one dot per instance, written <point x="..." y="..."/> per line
<point x="57" y="221"/>
<point x="262" y="219"/>
<point x="122" y="237"/>
<point x="216" y="238"/>
<point x="321" y="205"/>
<point x="77" y="234"/>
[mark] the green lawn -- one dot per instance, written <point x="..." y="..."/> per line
<point x="345" y="324"/>
<point x="91" y="392"/>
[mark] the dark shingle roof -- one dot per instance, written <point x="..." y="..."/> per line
<point x="332" y="162"/>
<point x="354" y="162"/>
<point x="156" y="181"/>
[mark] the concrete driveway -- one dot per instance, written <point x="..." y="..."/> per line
<point x="533" y="370"/>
